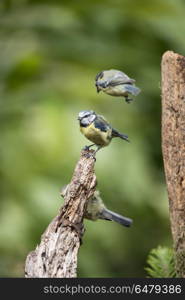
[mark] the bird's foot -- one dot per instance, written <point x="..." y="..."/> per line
<point x="91" y="154"/>
<point x="128" y="100"/>
<point x="86" y="148"/>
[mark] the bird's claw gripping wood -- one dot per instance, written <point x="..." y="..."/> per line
<point x="85" y="148"/>
<point x="88" y="147"/>
<point x="91" y="154"/>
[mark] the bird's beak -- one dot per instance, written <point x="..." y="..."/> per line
<point x="98" y="88"/>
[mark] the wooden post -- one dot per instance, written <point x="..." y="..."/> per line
<point x="56" y="256"/>
<point x="173" y="147"/>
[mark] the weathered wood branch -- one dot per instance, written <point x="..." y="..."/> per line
<point x="56" y="256"/>
<point x="173" y="147"/>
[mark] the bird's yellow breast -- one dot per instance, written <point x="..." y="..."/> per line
<point x="97" y="136"/>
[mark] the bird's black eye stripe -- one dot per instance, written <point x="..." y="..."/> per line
<point x="85" y="115"/>
<point x="99" y="75"/>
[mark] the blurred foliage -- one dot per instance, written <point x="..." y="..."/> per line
<point x="50" y="52"/>
<point x="161" y="263"/>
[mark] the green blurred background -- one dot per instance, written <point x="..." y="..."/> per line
<point x="50" y="52"/>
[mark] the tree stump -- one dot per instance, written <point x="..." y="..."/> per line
<point x="173" y="147"/>
<point x="56" y="256"/>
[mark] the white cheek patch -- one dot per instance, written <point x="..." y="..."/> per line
<point x="85" y="121"/>
<point x="91" y="118"/>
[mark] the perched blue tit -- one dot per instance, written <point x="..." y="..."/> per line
<point x="96" y="209"/>
<point x="97" y="129"/>
<point x="116" y="83"/>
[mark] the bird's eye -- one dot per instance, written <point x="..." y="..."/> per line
<point x="104" y="84"/>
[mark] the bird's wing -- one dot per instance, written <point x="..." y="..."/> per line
<point x="120" y="78"/>
<point x="101" y="124"/>
<point x="132" y="89"/>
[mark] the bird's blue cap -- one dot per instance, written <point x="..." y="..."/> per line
<point x="85" y="113"/>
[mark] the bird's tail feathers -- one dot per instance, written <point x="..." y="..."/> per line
<point x="112" y="216"/>
<point x="132" y="89"/>
<point x="123" y="136"/>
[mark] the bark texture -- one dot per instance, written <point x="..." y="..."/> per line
<point x="173" y="147"/>
<point x="56" y="256"/>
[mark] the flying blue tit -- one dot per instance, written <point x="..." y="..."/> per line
<point x="116" y="83"/>
<point x="96" y="209"/>
<point x="97" y="129"/>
